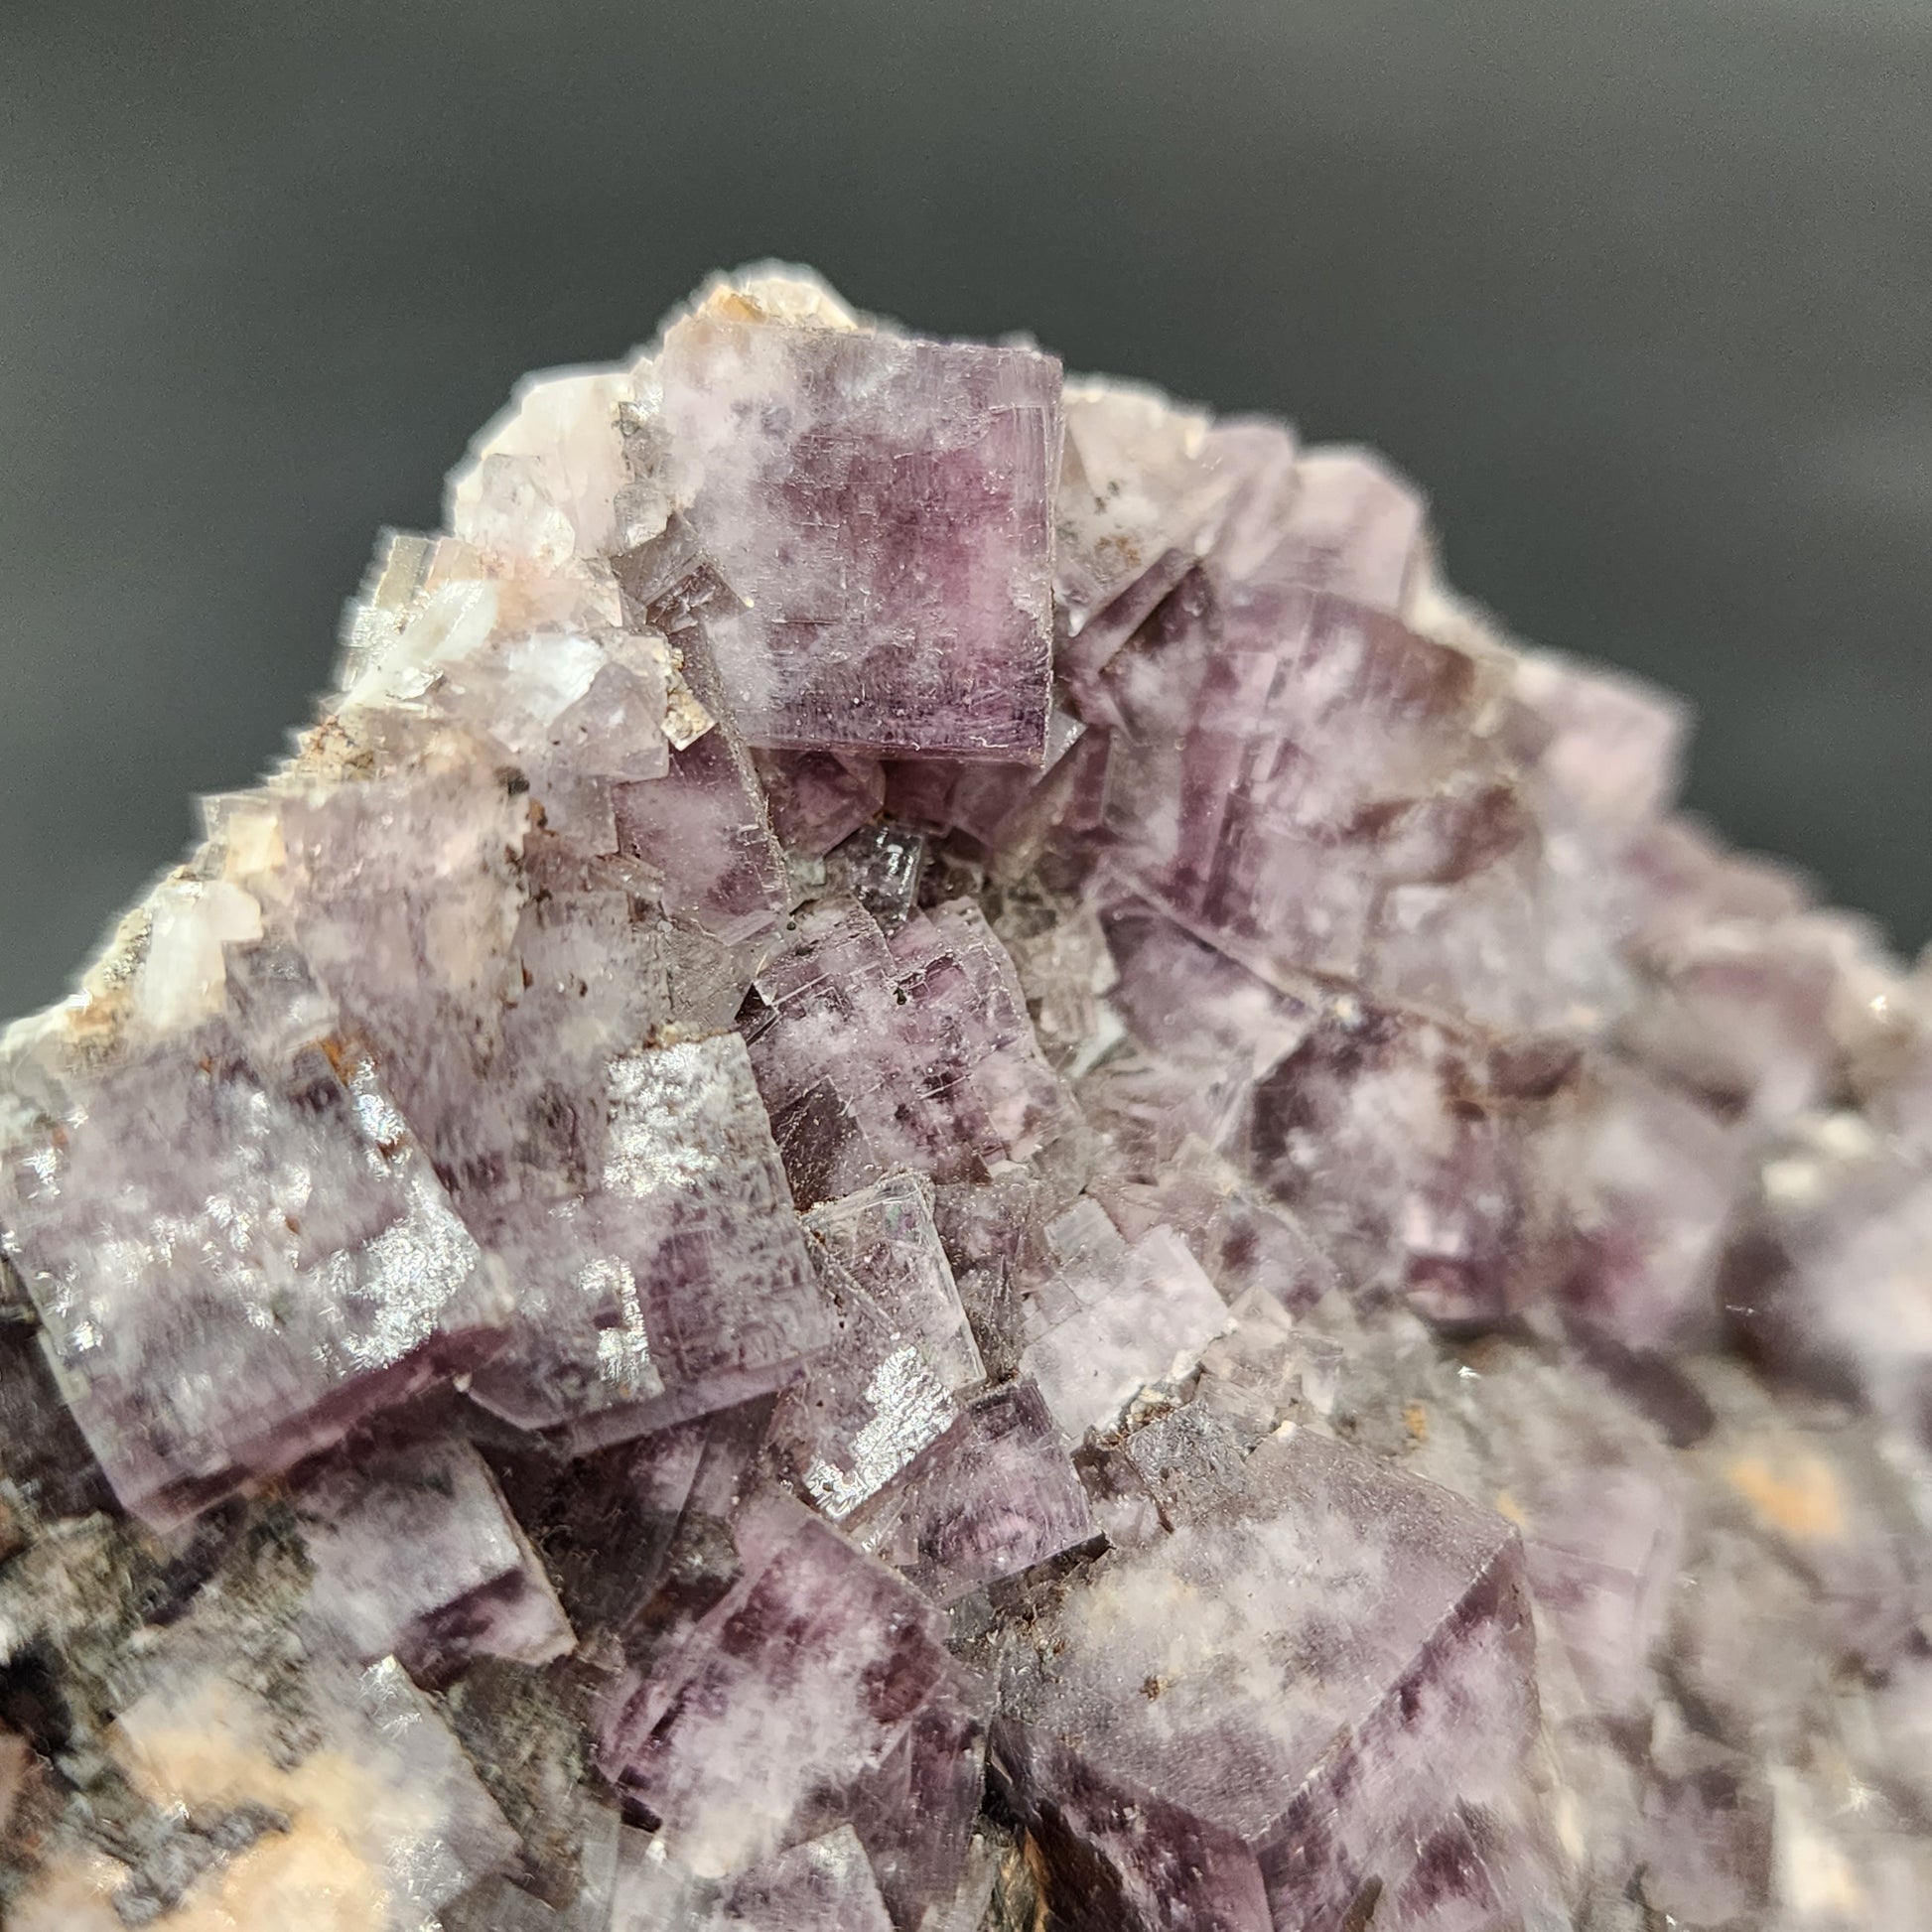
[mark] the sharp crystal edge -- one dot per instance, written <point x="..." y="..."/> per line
<point x="940" y="1164"/>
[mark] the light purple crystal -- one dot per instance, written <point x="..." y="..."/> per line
<point x="823" y="1885"/>
<point x="1248" y="1718"/>
<point x="233" y="1261"/>
<point x="993" y="1497"/>
<point x="677" y="1278"/>
<point x="806" y="1674"/>
<point x="415" y="1554"/>
<point x="940" y="1164"/>
<point x="902" y="600"/>
<point x="915" y="1053"/>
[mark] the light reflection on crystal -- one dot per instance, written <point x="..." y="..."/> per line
<point x="909" y="1410"/>
<point x="624" y="1352"/>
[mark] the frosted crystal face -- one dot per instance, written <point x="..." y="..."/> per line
<point x="804" y="1676"/>
<point x="1299" y="1696"/>
<point x="278" y="1243"/>
<point x="415" y="1554"/>
<point x="902" y="600"/>
<point x="939" y="1165"/>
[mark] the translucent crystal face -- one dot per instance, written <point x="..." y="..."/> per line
<point x="940" y="1164"/>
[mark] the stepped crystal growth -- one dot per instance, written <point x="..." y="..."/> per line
<point x="940" y="1164"/>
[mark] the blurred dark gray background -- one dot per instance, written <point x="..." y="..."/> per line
<point x="1637" y="288"/>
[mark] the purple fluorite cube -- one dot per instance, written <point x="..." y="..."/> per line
<point x="806" y="1676"/>
<point x="235" y="1261"/>
<point x="884" y="507"/>
<point x="415" y="1554"/>
<point x="1254" y="1721"/>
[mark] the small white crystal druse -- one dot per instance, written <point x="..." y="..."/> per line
<point x="942" y="1167"/>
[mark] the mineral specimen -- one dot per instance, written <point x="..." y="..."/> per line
<point x="941" y="1165"/>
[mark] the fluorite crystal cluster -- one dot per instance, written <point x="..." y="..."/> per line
<point x="941" y="1166"/>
